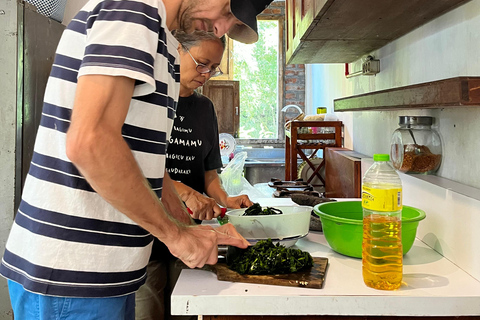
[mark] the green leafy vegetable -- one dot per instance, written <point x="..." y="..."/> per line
<point x="265" y="257"/>
<point x="256" y="210"/>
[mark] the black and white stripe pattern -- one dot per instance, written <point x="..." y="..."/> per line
<point x="66" y="240"/>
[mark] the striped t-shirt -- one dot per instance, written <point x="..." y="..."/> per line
<point x="66" y="240"/>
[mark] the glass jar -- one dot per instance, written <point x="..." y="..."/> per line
<point x="415" y="146"/>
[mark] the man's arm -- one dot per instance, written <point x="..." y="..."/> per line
<point x="96" y="147"/>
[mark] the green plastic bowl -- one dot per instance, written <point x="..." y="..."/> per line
<point x="342" y="224"/>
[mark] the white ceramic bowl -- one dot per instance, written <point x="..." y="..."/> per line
<point x="292" y="224"/>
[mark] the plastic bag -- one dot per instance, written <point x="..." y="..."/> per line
<point x="233" y="180"/>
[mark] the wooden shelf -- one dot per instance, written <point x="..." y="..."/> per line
<point x="341" y="31"/>
<point x="453" y="92"/>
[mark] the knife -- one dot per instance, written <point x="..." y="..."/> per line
<point x="222" y="219"/>
<point x="230" y="253"/>
<point x="226" y="254"/>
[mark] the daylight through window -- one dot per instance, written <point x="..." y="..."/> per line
<point x="256" y="67"/>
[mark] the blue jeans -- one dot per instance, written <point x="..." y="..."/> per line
<point x="31" y="306"/>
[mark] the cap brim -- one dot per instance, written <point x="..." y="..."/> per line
<point x="243" y="33"/>
<point x="247" y="14"/>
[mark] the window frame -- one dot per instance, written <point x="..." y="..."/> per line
<point x="280" y="141"/>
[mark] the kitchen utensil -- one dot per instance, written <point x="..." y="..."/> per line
<point x="286" y="193"/>
<point x="293" y="222"/>
<point x="308" y="200"/>
<point x="289" y="184"/>
<point x="343" y="227"/>
<point x="286" y="242"/>
<point x="413" y="137"/>
<point x="229" y="253"/>
<point x="313" y="277"/>
<point x="221" y="218"/>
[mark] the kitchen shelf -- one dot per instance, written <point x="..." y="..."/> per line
<point x="453" y="92"/>
<point x="340" y="31"/>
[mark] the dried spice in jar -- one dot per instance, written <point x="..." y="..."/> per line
<point x="416" y="147"/>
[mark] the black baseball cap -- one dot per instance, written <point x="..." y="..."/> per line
<point x="246" y="11"/>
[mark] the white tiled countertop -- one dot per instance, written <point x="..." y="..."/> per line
<point x="433" y="286"/>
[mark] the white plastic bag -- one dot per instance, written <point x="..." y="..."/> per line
<point x="233" y="180"/>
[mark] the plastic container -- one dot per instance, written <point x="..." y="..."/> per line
<point x="291" y="225"/>
<point x="382" y="252"/>
<point x="342" y="223"/>
<point x="415" y="146"/>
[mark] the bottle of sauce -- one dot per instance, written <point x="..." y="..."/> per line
<point x="382" y="252"/>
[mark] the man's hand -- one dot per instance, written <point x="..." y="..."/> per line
<point x="198" y="245"/>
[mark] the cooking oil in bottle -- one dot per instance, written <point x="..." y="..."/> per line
<point x="382" y="252"/>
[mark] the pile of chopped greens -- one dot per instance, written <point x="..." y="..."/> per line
<point x="265" y="257"/>
<point x="256" y="210"/>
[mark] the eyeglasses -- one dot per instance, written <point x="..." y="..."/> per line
<point x="202" y="69"/>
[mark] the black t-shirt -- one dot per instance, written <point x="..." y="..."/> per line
<point x="193" y="148"/>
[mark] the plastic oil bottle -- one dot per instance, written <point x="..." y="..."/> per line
<point x="382" y="253"/>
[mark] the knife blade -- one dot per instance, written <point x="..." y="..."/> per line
<point x="230" y="253"/>
<point x="226" y="254"/>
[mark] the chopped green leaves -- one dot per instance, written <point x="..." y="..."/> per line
<point x="265" y="257"/>
<point x="256" y="210"/>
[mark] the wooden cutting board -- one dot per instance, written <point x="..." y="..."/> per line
<point x="309" y="278"/>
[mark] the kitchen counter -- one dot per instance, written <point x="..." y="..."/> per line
<point x="433" y="286"/>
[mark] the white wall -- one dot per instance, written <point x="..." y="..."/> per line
<point x="71" y="9"/>
<point x="446" y="47"/>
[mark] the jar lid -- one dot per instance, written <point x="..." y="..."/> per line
<point x="415" y="120"/>
<point x="381" y="157"/>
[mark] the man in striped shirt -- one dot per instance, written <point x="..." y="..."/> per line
<point x="90" y="208"/>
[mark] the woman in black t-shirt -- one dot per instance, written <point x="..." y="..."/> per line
<point x="193" y="158"/>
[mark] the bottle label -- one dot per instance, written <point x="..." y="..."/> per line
<point x="381" y="199"/>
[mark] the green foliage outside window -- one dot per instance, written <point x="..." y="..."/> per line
<point x="256" y="67"/>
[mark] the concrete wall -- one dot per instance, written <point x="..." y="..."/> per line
<point x="8" y="76"/>
<point x="446" y="47"/>
<point x="71" y="9"/>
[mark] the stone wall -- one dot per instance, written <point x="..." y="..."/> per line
<point x="295" y="85"/>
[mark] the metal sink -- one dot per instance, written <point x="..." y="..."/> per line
<point x="262" y="164"/>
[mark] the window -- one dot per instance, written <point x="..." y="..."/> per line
<point x="259" y="68"/>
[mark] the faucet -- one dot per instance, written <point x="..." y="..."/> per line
<point x="292" y="106"/>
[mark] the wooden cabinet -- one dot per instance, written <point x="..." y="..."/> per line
<point x="225" y="95"/>
<point x="300" y="16"/>
<point x="343" y="173"/>
<point x="342" y="31"/>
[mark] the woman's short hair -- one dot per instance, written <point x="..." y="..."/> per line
<point x="195" y="38"/>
